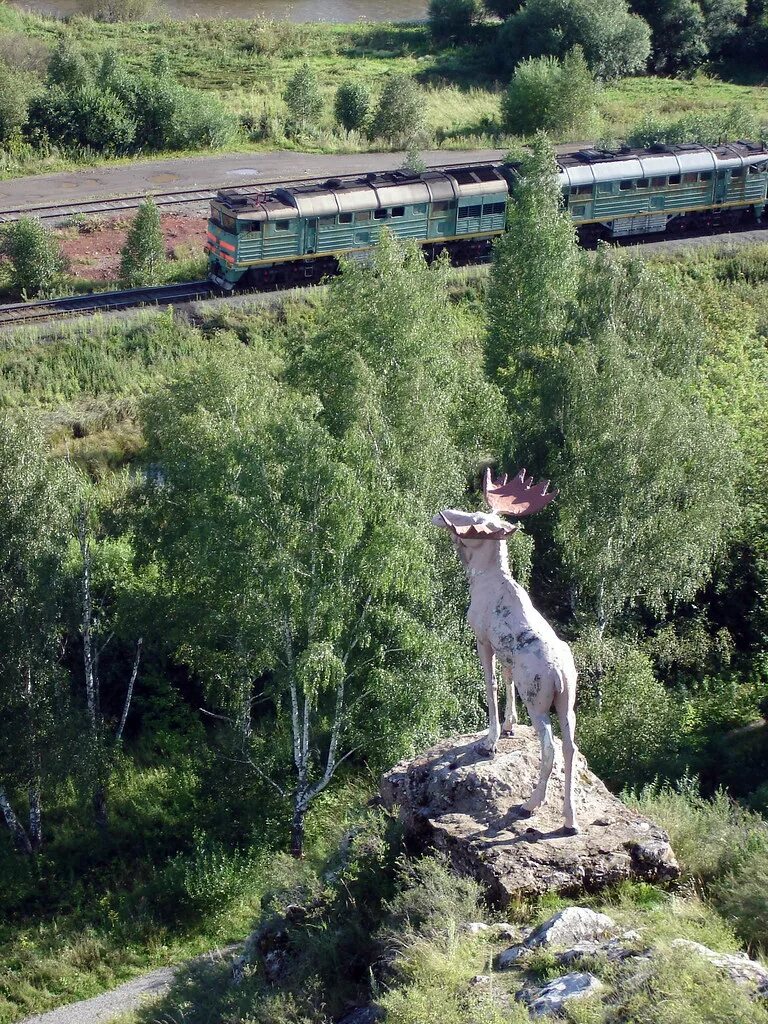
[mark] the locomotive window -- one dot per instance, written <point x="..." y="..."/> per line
<point x="326" y="222"/>
<point x="255" y="225"/>
<point x="605" y="186"/>
<point x="469" y="211"/>
<point x="229" y="223"/>
<point x="674" y="179"/>
<point x="754" y="169"/>
<point x="689" y="177"/>
<point x="643" y="183"/>
<point x="380" y="214"/>
<point x="582" y="190"/>
<point x="737" y="172"/>
<point x="420" y="208"/>
<point x="706" y="176"/>
<point x="625" y="186"/>
<point x="345" y="218"/>
<point x="362" y="215"/>
<point x="659" y="182"/>
<point x="442" y="205"/>
<point x="282" y="225"/>
<point x="398" y="211"/>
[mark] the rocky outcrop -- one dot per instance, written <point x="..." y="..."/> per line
<point x="458" y="800"/>
<point x="748" y="973"/>
<point x="549" y="1000"/>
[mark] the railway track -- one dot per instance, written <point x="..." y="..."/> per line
<point x="98" y="302"/>
<point x="182" y="197"/>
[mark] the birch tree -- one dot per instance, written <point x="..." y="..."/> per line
<point x="37" y="498"/>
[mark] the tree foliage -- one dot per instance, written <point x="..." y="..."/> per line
<point x="352" y="106"/>
<point x="551" y="95"/>
<point x="615" y="41"/>
<point x="452" y="21"/>
<point x="142" y="261"/>
<point x="35" y="260"/>
<point x="400" y="113"/>
<point x="304" y="100"/>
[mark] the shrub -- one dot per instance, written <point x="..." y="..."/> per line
<point x="550" y="95"/>
<point x="452" y="21"/>
<point x="143" y="256"/>
<point x="35" y="259"/>
<point x="400" y="113"/>
<point x="735" y="122"/>
<point x="303" y="99"/>
<point x="14" y="101"/>
<point x="352" y="106"/>
<point x="68" y="66"/>
<point x="86" y="115"/>
<point x="632" y="732"/>
<point x="615" y="42"/>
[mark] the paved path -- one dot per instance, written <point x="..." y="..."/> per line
<point x="143" y="176"/>
<point x="127" y="997"/>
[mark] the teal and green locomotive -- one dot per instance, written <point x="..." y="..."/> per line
<point x="297" y="234"/>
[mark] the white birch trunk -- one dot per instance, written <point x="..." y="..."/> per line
<point x="20" y="837"/>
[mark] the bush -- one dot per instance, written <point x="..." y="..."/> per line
<point x="400" y="113"/>
<point x="86" y="115"/>
<point x="303" y="99"/>
<point x="143" y="256"/>
<point x="736" y="122"/>
<point x="452" y="21"/>
<point x="551" y="95"/>
<point x="615" y="42"/>
<point x="68" y="66"/>
<point x="352" y="106"/>
<point x="14" y="101"/>
<point x="35" y="259"/>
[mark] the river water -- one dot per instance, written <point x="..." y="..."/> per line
<point x="297" y="10"/>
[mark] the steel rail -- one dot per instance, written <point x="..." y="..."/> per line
<point x="95" y="302"/>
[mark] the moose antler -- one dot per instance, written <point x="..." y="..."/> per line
<point x="520" y="497"/>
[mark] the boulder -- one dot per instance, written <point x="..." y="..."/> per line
<point x="566" y="928"/>
<point x="738" y="966"/>
<point x="549" y="1000"/>
<point x="466" y="804"/>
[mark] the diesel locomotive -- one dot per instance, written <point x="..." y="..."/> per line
<point x="297" y="234"/>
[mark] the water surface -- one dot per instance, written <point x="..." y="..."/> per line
<point x="298" y="10"/>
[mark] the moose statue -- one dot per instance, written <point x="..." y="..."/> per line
<point x="508" y="628"/>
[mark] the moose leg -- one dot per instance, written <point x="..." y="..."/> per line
<point x="567" y="718"/>
<point x="510" y="710"/>
<point x="543" y="727"/>
<point x="487" y="660"/>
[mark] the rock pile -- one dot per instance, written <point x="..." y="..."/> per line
<point x="460" y="801"/>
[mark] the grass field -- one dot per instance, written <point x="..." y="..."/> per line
<point x="247" y="64"/>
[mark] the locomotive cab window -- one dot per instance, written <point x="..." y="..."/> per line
<point x="706" y="176"/>
<point x="398" y="211"/>
<point x="419" y="209"/>
<point x="581" y="190"/>
<point x="326" y="222"/>
<point x="659" y="182"/>
<point x="442" y="205"/>
<point x="690" y="177"/>
<point x="380" y="214"/>
<point x="345" y="218"/>
<point x="643" y="183"/>
<point x="737" y="172"/>
<point x="229" y="223"/>
<point x="282" y="225"/>
<point x="674" y="179"/>
<point x="605" y="186"/>
<point x="626" y="186"/>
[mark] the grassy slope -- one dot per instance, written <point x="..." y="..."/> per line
<point x="248" y="63"/>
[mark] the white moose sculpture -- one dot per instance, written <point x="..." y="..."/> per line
<point x="508" y="628"/>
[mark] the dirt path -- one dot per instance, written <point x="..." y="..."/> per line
<point x="126" y="997"/>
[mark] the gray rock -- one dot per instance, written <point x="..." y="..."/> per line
<point x="363" y="1015"/>
<point x="571" y="925"/>
<point x="549" y="1000"/>
<point x="475" y="927"/>
<point x="740" y="968"/>
<point x="612" y="950"/>
<point x="457" y="800"/>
